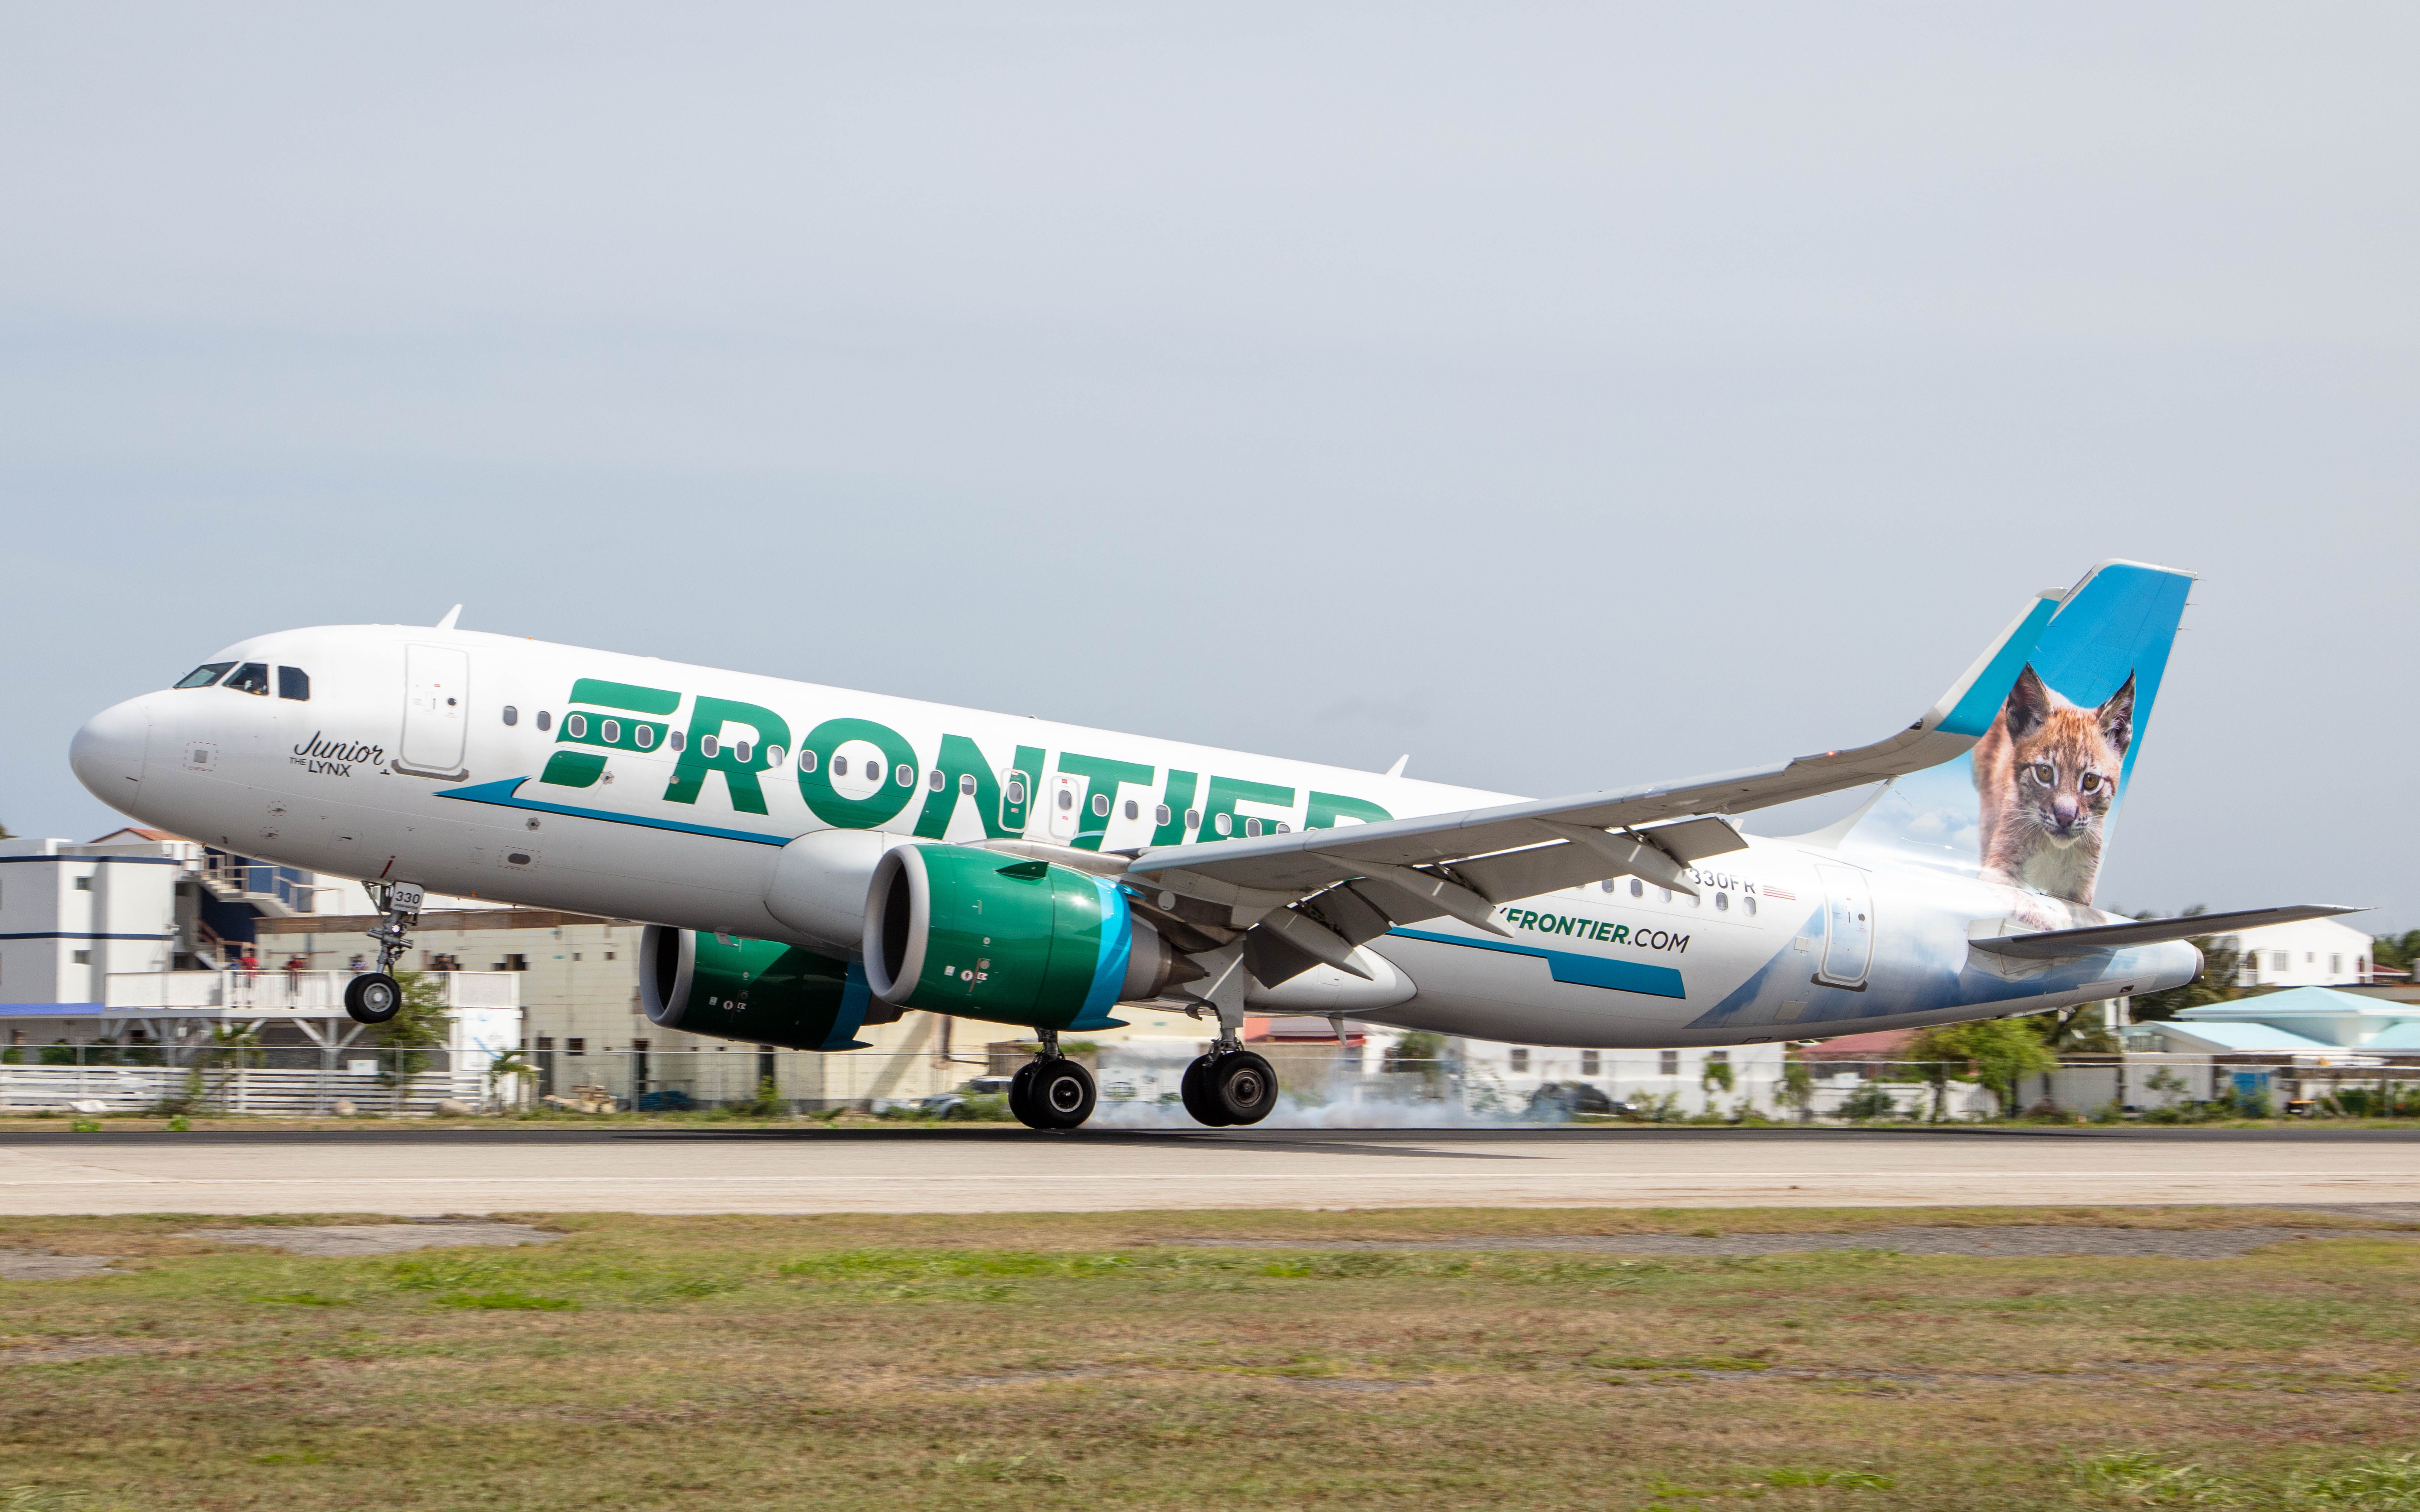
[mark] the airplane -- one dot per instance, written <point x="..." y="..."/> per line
<point x="811" y="860"/>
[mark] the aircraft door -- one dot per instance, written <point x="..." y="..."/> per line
<point x="1848" y="926"/>
<point x="436" y="709"/>
<point x="1066" y="800"/>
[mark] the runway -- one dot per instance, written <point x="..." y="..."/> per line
<point x="988" y="1170"/>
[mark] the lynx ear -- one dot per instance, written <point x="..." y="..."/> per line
<point x="2028" y="705"/>
<point x="2117" y="717"/>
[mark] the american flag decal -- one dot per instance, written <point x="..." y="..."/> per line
<point x="1782" y="893"/>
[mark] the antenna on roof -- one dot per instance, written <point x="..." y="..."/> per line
<point x="451" y="615"/>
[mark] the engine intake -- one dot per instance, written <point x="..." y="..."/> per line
<point x="956" y="929"/>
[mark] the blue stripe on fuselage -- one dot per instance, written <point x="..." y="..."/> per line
<point x="1574" y="969"/>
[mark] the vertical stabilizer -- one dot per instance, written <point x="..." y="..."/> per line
<point x="2059" y="730"/>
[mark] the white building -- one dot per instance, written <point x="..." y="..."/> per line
<point x="70" y="915"/>
<point x="2316" y="953"/>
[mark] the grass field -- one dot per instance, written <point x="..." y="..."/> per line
<point x="1081" y="1362"/>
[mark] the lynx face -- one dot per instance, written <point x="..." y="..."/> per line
<point x="2047" y="773"/>
<point x="2066" y="767"/>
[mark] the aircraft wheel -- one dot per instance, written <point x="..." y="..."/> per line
<point x="1196" y="1098"/>
<point x="1021" y="1095"/>
<point x="373" y="998"/>
<point x="1242" y="1086"/>
<point x="1062" y="1094"/>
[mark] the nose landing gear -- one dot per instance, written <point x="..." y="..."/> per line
<point x="375" y="996"/>
<point x="1052" y="1092"/>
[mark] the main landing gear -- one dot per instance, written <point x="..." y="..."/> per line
<point x="374" y="997"/>
<point x="1229" y="1085"/>
<point x="1052" y="1092"/>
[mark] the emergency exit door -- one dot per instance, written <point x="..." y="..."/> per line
<point x="435" y="710"/>
<point x="1848" y="926"/>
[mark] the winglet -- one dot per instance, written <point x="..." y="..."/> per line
<point x="451" y="615"/>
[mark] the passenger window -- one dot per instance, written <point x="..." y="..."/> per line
<point x="937" y="779"/>
<point x="1160" y="816"/>
<point x="545" y="721"/>
<point x="1134" y="809"/>
<point x="613" y="732"/>
<point x="1066" y="798"/>
<point x="644" y="736"/>
<point x="806" y="761"/>
<point x="967" y="785"/>
<point x="1747" y="902"/>
<point x="739" y="750"/>
<point x="1722" y="901"/>
<point x="1252" y="827"/>
<point x="677" y="740"/>
<point x="252" y="677"/>
<point x="204" y="676"/>
<point x="906" y="776"/>
<point x="1101" y="805"/>
<point x="512" y="716"/>
<point x="708" y="746"/>
<point x="1193" y="819"/>
<point x="772" y="756"/>
<point x="840" y="766"/>
<point x="294" y="683"/>
<point x="1637" y="888"/>
<point x="576" y="726"/>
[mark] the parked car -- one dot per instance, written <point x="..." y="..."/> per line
<point x="1567" y="1098"/>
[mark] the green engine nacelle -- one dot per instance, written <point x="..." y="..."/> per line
<point x="952" y="929"/>
<point x="759" y="991"/>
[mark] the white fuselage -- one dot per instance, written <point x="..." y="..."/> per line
<point x="483" y="765"/>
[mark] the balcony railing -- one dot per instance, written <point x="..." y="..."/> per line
<point x="309" y="993"/>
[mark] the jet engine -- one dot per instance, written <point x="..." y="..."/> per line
<point x="759" y="991"/>
<point x="954" y="929"/>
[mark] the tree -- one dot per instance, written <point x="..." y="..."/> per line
<point x="505" y="1066"/>
<point x="419" y="1025"/>
<point x="1797" y="1089"/>
<point x="2221" y="971"/>
<point x="2397" y="952"/>
<point x="1999" y="1054"/>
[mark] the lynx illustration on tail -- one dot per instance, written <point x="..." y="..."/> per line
<point x="2045" y="775"/>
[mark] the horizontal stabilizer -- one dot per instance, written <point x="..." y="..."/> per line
<point x="2045" y="944"/>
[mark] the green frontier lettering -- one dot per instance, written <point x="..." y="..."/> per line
<point x="709" y="718"/>
<point x="1102" y="776"/>
<point x="814" y="777"/>
<point x="1226" y="792"/>
<point x="579" y="770"/>
<point x="1326" y="808"/>
<point x="960" y="760"/>
<point x="1182" y="786"/>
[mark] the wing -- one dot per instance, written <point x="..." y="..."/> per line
<point x="2049" y="944"/>
<point x="1367" y="876"/>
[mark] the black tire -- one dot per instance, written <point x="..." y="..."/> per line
<point x="1242" y="1086"/>
<point x="1021" y="1101"/>
<point x="1194" y="1090"/>
<point x="1062" y="1094"/>
<point x="373" y="998"/>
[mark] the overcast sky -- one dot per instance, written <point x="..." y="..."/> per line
<point x="1567" y="395"/>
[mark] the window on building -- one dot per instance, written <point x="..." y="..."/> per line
<point x="575" y="1047"/>
<point x="1718" y="1058"/>
<point x="2276" y="960"/>
<point x="83" y="884"/>
<point x="1520" y="1057"/>
<point x="609" y="955"/>
<point x="252" y="677"/>
<point x="294" y="683"/>
<point x="1667" y="1063"/>
<point x="545" y="1044"/>
<point x="1592" y="1063"/>
<point x="2336" y="964"/>
<point x="2309" y="956"/>
<point x="204" y="676"/>
<point x="513" y="962"/>
<point x="82" y="957"/>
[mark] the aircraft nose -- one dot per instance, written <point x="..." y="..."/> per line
<point x="107" y="753"/>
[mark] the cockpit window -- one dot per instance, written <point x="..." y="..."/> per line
<point x="294" y="683"/>
<point x="204" y="675"/>
<point x="252" y="677"/>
